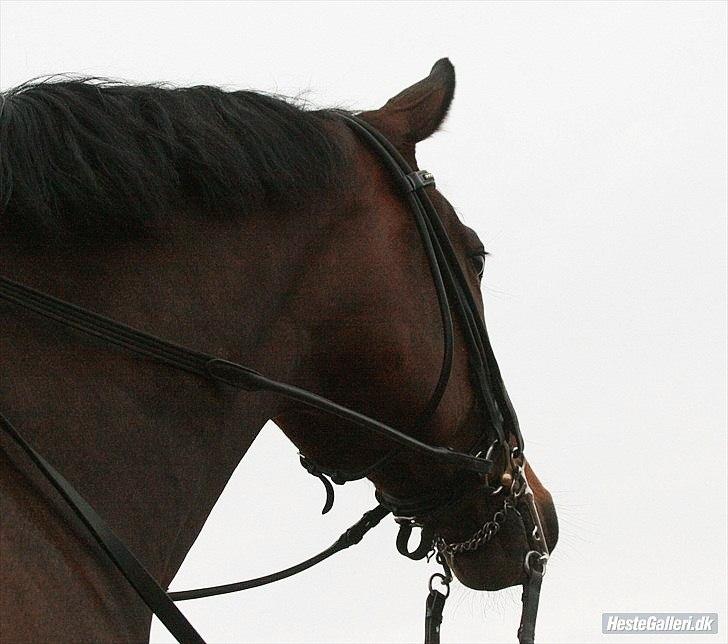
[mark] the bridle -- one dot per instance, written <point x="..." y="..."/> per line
<point x="453" y="292"/>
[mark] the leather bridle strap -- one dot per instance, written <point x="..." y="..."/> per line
<point x="435" y="602"/>
<point x="529" y="612"/>
<point x="349" y="538"/>
<point x="129" y="566"/>
<point x="434" y="606"/>
<point x="427" y="536"/>
<point x="482" y="359"/>
<point x="213" y="368"/>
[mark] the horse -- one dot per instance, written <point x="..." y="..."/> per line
<point x="244" y="226"/>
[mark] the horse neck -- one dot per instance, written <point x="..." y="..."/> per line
<point x="152" y="448"/>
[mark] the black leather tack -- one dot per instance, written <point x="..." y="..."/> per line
<point x="433" y="616"/>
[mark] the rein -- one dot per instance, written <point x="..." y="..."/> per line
<point x="450" y="285"/>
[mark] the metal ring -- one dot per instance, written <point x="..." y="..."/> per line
<point x="543" y="558"/>
<point x="443" y="580"/>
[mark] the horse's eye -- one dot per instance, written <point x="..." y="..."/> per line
<point x="478" y="260"/>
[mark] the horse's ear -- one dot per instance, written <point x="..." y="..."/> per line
<point x="418" y="111"/>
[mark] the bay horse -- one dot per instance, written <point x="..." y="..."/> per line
<point x="241" y="226"/>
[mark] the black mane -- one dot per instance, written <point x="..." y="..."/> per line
<point x="92" y="156"/>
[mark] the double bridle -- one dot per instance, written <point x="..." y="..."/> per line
<point x="453" y="292"/>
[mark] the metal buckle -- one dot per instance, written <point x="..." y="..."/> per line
<point x="420" y="179"/>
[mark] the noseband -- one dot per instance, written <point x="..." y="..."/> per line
<point x="453" y="294"/>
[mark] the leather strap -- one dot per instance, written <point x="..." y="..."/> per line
<point x="434" y="605"/>
<point x="129" y="566"/>
<point x="339" y="477"/>
<point x="482" y="360"/>
<point x="426" y="538"/>
<point x="217" y="369"/>
<point x="351" y="537"/>
<point x="530" y="597"/>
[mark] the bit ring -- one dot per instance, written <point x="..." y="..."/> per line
<point x="542" y="558"/>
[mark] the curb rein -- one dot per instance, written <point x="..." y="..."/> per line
<point x="519" y="495"/>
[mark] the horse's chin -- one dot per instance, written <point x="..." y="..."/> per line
<point x="499" y="563"/>
<point x="475" y="571"/>
<point x="496" y="565"/>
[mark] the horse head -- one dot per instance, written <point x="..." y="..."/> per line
<point x="376" y="344"/>
<point x="306" y="244"/>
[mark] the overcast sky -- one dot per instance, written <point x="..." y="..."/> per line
<point x="587" y="146"/>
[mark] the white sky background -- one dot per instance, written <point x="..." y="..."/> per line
<point x="587" y="146"/>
